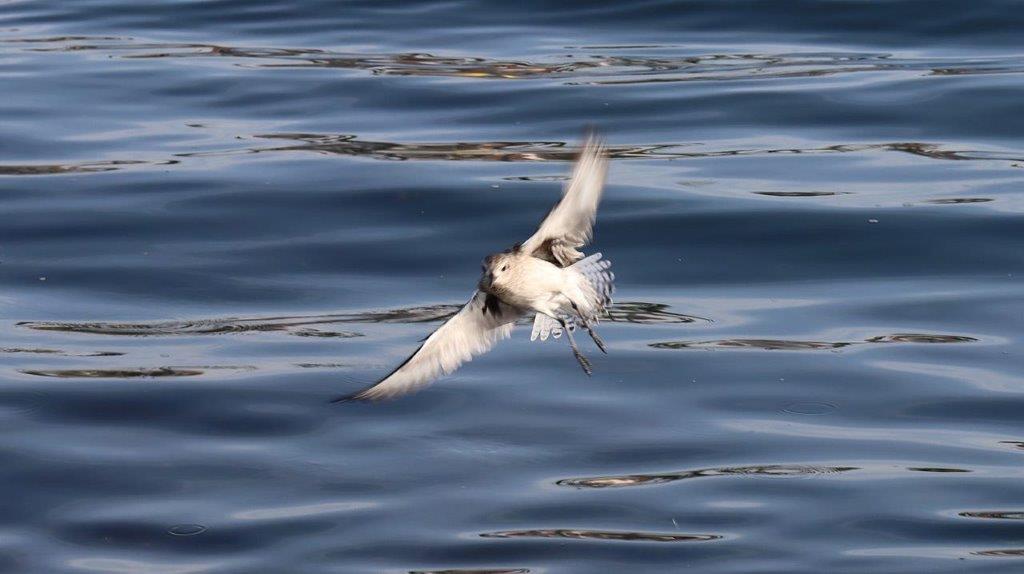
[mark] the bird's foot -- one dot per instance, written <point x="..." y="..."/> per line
<point x="575" y="349"/>
<point x="597" y="340"/>
<point x="584" y="363"/>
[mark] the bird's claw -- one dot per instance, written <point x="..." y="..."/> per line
<point x="597" y="340"/>
<point x="585" y="364"/>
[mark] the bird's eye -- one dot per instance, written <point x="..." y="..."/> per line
<point x="504" y="267"/>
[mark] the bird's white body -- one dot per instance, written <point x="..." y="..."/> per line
<point x="547" y="275"/>
<point x="540" y="286"/>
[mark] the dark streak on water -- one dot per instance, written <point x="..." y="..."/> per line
<point x="215" y="216"/>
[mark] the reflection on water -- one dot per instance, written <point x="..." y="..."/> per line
<point x="647" y="314"/>
<point x="785" y="345"/>
<point x="625" y="312"/>
<point x="996" y="514"/>
<point x="346" y="144"/>
<point x="602" y="535"/>
<point x="61" y="353"/>
<point x="134" y="373"/>
<point x="115" y="374"/>
<point x="920" y="338"/>
<point x="522" y="151"/>
<point x="661" y="478"/>
<point x="800" y="193"/>
<point x="325" y="334"/>
<point x="764" y="344"/>
<point x="474" y="571"/>
<point x="1004" y="553"/>
<point x="577" y="66"/>
<point x="959" y="200"/>
<point x="89" y="167"/>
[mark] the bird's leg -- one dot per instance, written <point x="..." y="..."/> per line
<point x="590" y="329"/>
<point x="576" y="350"/>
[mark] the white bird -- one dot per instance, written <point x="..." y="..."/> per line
<point x="546" y="275"/>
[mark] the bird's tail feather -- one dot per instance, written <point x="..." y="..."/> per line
<point x="544" y="327"/>
<point x="602" y="284"/>
<point x="598" y="274"/>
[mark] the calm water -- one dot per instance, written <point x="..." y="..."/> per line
<point x="215" y="216"/>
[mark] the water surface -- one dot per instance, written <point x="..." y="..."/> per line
<point x="216" y="216"/>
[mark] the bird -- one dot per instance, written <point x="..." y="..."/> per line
<point x="546" y="275"/>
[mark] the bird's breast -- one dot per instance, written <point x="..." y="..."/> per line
<point x="528" y="282"/>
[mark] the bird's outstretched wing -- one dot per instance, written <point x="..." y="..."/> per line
<point x="568" y="226"/>
<point x="473" y="330"/>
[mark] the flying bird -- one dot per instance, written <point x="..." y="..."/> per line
<point x="546" y="275"/>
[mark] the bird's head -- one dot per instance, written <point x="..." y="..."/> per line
<point x="496" y="266"/>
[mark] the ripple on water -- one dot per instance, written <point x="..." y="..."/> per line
<point x="474" y="571"/>
<point x="994" y="514"/>
<point x="78" y="168"/>
<point x="602" y="535"/>
<point x="301" y="511"/>
<point x="325" y="334"/>
<point x="22" y="401"/>
<point x="114" y="373"/>
<point x="534" y="151"/>
<point x="186" y="529"/>
<point x="626" y="312"/>
<point x="959" y="200"/>
<point x="579" y="66"/>
<point x="773" y="470"/>
<point x="762" y="344"/>
<point x="516" y="151"/>
<point x="801" y="193"/>
<point x="60" y="352"/>
<point x="1003" y="553"/>
<point x="244" y="325"/>
<point x="809" y="408"/>
<point x="791" y="345"/>
<point x="921" y="338"/>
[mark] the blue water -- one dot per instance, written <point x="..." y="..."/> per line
<point x="216" y="216"/>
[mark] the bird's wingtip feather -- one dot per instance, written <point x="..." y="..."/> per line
<point x="364" y="395"/>
<point x="349" y="398"/>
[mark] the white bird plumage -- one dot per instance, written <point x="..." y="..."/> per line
<point x="546" y="275"/>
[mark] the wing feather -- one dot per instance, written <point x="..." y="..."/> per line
<point x="481" y="323"/>
<point x="569" y="225"/>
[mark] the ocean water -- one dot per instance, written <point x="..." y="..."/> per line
<point x="215" y="216"/>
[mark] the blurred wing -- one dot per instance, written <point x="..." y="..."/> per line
<point x="569" y="224"/>
<point x="473" y="330"/>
